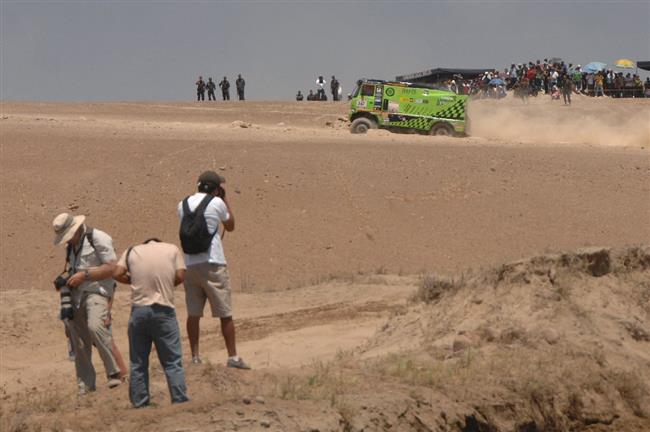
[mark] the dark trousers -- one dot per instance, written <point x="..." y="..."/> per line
<point x="240" y="94"/>
<point x="200" y="95"/>
<point x="225" y="94"/>
<point x="211" y="95"/>
<point x="158" y="325"/>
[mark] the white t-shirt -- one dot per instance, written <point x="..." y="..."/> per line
<point x="215" y="212"/>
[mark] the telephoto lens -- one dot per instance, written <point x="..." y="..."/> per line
<point x="66" y="303"/>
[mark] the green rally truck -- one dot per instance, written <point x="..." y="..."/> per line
<point x="407" y="107"/>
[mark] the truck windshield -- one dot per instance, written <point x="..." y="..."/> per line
<point x="367" y="90"/>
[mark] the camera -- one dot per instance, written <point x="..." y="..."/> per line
<point x="221" y="192"/>
<point x="61" y="284"/>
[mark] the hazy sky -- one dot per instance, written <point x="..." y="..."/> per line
<point x="144" y="50"/>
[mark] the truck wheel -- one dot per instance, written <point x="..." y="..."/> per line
<point x="442" y="129"/>
<point x="361" y="125"/>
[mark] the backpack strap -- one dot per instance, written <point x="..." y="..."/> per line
<point x="128" y="253"/>
<point x="91" y="241"/>
<point x="204" y="203"/>
<point x="186" y="206"/>
<point x="201" y="208"/>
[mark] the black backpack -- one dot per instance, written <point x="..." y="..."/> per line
<point x="194" y="234"/>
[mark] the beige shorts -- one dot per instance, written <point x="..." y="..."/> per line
<point x="207" y="282"/>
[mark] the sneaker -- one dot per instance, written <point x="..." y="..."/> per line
<point x="83" y="390"/>
<point x="114" y="380"/>
<point x="196" y="360"/>
<point x="238" y="364"/>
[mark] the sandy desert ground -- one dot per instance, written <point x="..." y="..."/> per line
<point x="381" y="281"/>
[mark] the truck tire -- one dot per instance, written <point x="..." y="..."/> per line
<point x="361" y="125"/>
<point x="442" y="129"/>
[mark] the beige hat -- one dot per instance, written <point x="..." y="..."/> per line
<point x="65" y="226"/>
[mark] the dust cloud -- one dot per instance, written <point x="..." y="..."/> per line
<point x="543" y="121"/>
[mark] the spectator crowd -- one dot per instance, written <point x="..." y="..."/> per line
<point x="554" y="78"/>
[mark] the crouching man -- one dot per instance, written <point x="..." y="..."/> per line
<point x="153" y="269"/>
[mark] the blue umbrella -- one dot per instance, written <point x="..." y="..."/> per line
<point x="594" y="67"/>
<point x="496" y="81"/>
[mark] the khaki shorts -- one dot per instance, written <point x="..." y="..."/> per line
<point x="207" y="282"/>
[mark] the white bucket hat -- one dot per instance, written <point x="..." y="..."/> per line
<point x="65" y="226"/>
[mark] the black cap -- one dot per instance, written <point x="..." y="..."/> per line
<point x="211" y="177"/>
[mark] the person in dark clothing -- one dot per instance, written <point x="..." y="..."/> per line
<point x="211" y="86"/>
<point x="299" y="96"/>
<point x="225" y="88"/>
<point x="240" y="84"/>
<point x="334" y="85"/>
<point x="200" y="89"/>
<point x="566" y="84"/>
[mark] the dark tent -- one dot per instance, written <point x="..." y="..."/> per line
<point x="442" y="74"/>
<point x="645" y="65"/>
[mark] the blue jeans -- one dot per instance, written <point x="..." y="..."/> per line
<point x="155" y="324"/>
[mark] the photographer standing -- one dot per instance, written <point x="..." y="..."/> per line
<point x="90" y="259"/>
<point x="207" y="275"/>
<point x="153" y="269"/>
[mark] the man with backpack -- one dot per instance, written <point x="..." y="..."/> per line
<point x="90" y="260"/>
<point x="153" y="269"/>
<point x="206" y="277"/>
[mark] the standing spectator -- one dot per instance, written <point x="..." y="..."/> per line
<point x="567" y="87"/>
<point x="553" y="76"/>
<point x="153" y="269"/>
<point x="310" y="96"/>
<point x="90" y="260"/>
<point x="590" y="83"/>
<point x="609" y="82"/>
<point x="240" y="84"/>
<point x="598" y="84"/>
<point x="225" y="89"/>
<point x="646" y="86"/>
<point x="638" y="87"/>
<point x="207" y="275"/>
<point x="335" y="86"/>
<point x="200" y="89"/>
<point x="320" y="82"/>
<point x="629" y="85"/>
<point x="299" y="96"/>
<point x="577" y="79"/>
<point x="619" y="85"/>
<point x="211" y="87"/>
